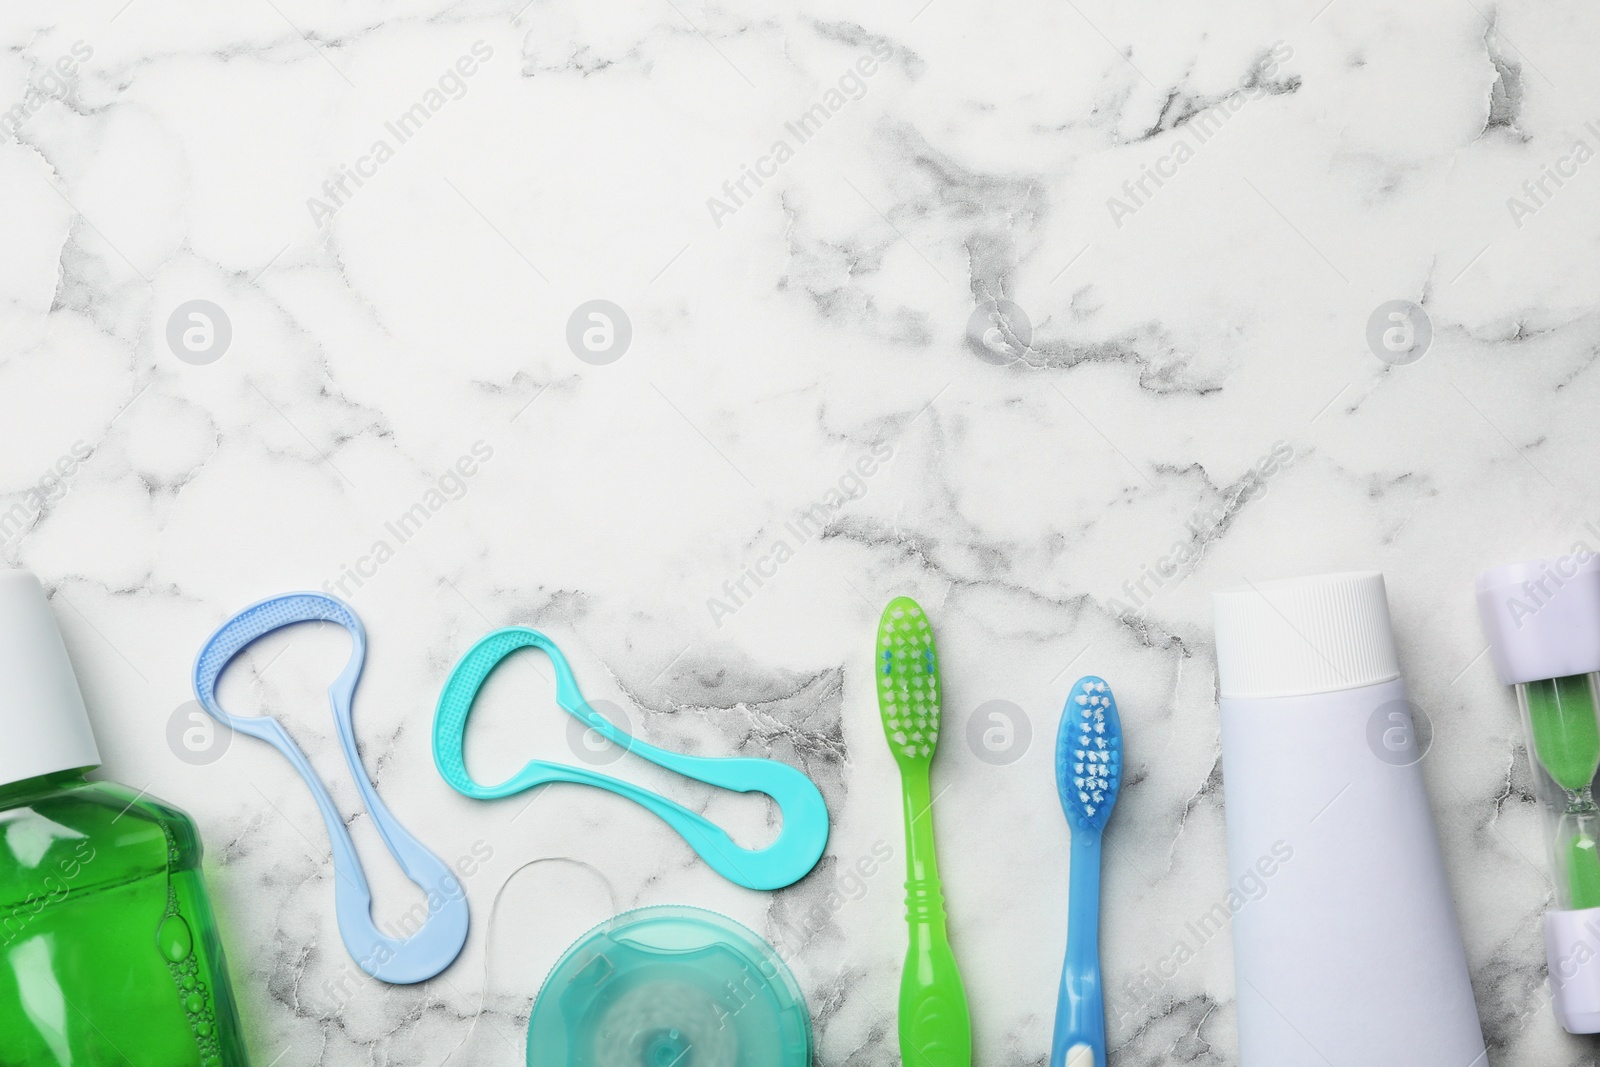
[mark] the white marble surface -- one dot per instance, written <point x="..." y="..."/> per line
<point x="1177" y="338"/>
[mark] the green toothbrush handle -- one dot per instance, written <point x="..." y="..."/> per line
<point x="935" y="1030"/>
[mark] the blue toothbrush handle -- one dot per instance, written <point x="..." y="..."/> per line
<point x="1080" y="1010"/>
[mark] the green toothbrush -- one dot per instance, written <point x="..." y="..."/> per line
<point x="934" y="1028"/>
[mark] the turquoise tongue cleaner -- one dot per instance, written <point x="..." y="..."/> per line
<point x="398" y="960"/>
<point x="660" y="987"/>
<point x="785" y="861"/>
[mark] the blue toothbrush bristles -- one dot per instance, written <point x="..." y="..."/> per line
<point x="1089" y="753"/>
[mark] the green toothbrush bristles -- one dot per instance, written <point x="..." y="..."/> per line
<point x="908" y="681"/>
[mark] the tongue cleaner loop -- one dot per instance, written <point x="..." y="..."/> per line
<point x="401" y="961"/>
<point x="805" y="817"/>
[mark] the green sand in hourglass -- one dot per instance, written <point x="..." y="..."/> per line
<point x="1566" y="740"/>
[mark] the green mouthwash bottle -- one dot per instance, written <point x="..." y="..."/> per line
<point x="109" y="954"/>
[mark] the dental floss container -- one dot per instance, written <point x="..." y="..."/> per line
<point x="1346" y="945"/>
<point x="1542" y="619"/>
<point x="670" y="986"/>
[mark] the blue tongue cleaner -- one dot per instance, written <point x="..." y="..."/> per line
<point x="401" y="961"/>
<point x="786" y="860"/>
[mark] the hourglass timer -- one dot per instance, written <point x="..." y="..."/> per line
<point x="1542" y="619"/>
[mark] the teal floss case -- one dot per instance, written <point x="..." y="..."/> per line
<point x="670" y="986"/>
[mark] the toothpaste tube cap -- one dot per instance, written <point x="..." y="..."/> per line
<point x="1301" y="636"/>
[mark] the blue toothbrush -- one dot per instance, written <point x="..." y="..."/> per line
<point x="1088" y="772"/>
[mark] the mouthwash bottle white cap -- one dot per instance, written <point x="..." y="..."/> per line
<point x="1346" y="945"/>
<point x="1542" y="618"/>
<point x="44" y="727"/>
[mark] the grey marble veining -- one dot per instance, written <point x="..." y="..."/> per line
<point x="1099" y="289"/>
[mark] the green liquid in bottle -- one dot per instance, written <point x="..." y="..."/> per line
<point x="1566" y="741"/>
<point x="108" y="951"/>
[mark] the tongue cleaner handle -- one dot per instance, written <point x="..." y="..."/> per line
<point x="785" y="861"/>
<point x="400" y="961"/>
